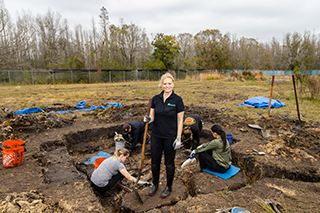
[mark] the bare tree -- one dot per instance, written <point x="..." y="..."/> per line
<point x="48" y="31"/>
<point x="5" y="37"/>
<point x="185" y="58"/>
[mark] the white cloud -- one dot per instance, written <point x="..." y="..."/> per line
<point x="261" y="20"/>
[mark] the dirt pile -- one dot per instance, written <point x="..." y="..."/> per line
<point x="32" y="202"/>
<point x="28" y="123"/>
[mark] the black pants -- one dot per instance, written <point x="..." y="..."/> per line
<point x="140" y="140"/>
<point x="159" y="145"/>
<point x="195" y="142"/>
<point x="112" y="182"/>
<point x="206" y="161"/>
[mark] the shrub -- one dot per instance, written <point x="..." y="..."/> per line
<point x="301" y="80"/>
<point x="259" y="75"/>
<point x="235" y="74"/>
<point x="313" y="84"/>
<point x="247" y="75"/>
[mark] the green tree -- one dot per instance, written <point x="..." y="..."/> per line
<point x="213" y="48"/>
<point x="166" y="49"/>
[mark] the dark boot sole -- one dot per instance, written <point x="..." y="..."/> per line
<point x="153" y="193"/>
<point x="165" y="196"/>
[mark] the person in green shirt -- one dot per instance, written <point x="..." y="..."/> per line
<point x="216" y="154"/>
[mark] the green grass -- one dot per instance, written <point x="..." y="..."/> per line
<point x="208" y="93"/>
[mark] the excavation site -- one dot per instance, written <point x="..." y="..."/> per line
<point x="280" y="172"/>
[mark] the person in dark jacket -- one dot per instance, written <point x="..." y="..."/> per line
<point x="192" y="127"/>
<point x="216" y="154"/>
<point x="166" y="114"/>
<point x="133" y="132"/>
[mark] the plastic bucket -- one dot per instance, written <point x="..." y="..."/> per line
<point x="229" y="139"/>
<point x="13" y="151"/>
<point x="120" y="145"/>
<point x="97" y="162"/>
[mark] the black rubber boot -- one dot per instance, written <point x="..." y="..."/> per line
<point x="153" y="190"/>
<point x="155" y="180"/>
<point x="166" y="192"/>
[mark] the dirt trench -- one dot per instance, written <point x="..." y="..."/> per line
<point x="54" y="173"/>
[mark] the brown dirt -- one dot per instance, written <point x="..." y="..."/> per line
<point x="55" y="178"/>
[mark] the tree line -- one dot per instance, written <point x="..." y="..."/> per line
<point x="46" y="42"/>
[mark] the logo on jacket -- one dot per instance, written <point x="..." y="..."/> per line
<point x="171" y="105"/>
<point x="189" y="121"/>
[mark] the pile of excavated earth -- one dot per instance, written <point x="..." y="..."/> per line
<point x="280" y="172"/>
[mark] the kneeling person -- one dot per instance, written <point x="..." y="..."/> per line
<point x="111" y="171"/>
<point x="216" y="154"/>
<point x="192" y="127"/>
<point x="134" y="132"/>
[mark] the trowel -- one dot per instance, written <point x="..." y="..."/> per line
<point x="255" y="126"/>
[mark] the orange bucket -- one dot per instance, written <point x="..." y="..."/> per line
<point x="13" y="151"/>
<point x="97" y="162"/>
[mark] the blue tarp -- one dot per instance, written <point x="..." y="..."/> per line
<point x="101" y="154"/>
<point x="29" y="110"/>
<point x="78" y="105"/>
<point x="262" y="102"/>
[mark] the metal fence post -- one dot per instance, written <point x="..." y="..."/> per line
<point x="148" y="75"/>
<point x="71" y="77"/>
<point x="124" y="75"/>
<point x="9" y="77"/>
<point x="89" y="77"/>
<point x="32" y="77"/>
<point x="109" y="76"/>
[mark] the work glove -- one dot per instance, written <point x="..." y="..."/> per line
<point x="199" y="146"/>
<point x="177" y="143"/>
<point x="193" y="154"/>
<point x="146" y="119"/>
<point x="144" y="183"/>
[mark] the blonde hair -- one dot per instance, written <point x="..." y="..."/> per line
<point x="119" y="152"/>
<point x="164" y="76"/>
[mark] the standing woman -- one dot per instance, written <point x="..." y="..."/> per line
<point x="216" y="154"/>
<point x="167" y="111"/>
<point x="111" y="171"/>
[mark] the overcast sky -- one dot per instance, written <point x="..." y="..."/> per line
<point x="258" y="19"/>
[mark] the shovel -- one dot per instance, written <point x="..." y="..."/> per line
<point x="295" y="93"/>
<point x="265" y="132"/>
<point x="142" y="154"/>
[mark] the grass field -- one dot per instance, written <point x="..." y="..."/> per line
<point x="219" y="93"/>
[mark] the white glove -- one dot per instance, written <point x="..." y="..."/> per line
<point x="199" y="146"/>
<point x="177" y="143"/>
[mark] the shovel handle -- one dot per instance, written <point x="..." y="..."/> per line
<point x="295" y="94"/>
<point x="145" y="135"/>
<point x="270" y="97"/>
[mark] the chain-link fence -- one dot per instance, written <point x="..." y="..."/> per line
<point x="22" y="77"/>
